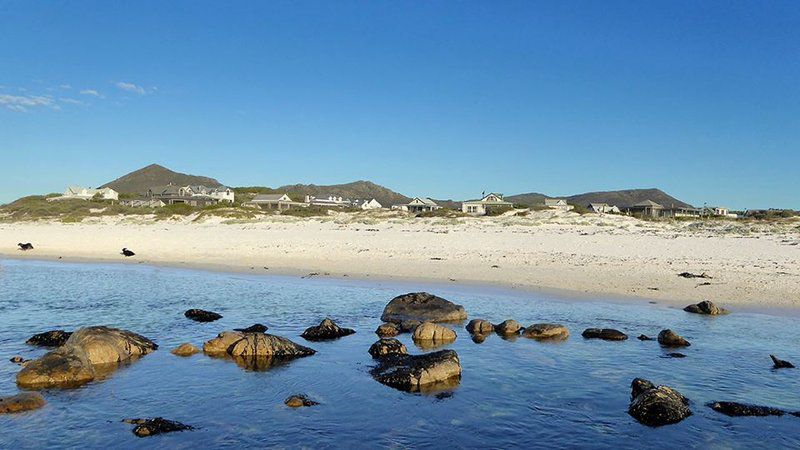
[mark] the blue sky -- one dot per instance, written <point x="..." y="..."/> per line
<point x="435" y="98"/>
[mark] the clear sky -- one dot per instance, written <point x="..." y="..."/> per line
<point x="437" y="98"/>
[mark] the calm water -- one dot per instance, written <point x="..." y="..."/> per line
<point x="512" y="394"/>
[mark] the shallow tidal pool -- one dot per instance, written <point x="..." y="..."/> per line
<point x="513" y="393"/>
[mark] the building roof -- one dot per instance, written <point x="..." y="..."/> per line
<point x="647" y="204"/>
<point x="485" y="201"/>
<point x="270" y="197"/>
<point x="169" y="189"/>
<point x="554" y="201"/>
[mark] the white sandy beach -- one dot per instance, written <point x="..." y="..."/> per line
<point x="751" y="264"/>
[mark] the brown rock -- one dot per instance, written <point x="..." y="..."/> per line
<point x="606" y="334"/>
<point x="52" y="338"/>
<point x="25" y="401"/>
<point x="706" y="307"/>
<point x="508" y="327"/>
<point x="423" y="307"/>
<point x="185" y="349"/>
<point x="657" y="405"/>
<point x="299" y="400"/>
<point x="234" y="343"/>
<point x="388" y="346"/>
<point x="546" y="331"/>
<point x="479" y="326"/>
<point x="415" y="373"/>
<point x="428" y="331"/>
<point x="387" y="330"/>
<point x="326" y="330"/>
<point x="669" y="338"/>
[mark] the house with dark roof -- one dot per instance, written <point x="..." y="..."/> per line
<point x="273" y="201"/>
<point x="489" y="203"/>
<point x="646" y="208"/>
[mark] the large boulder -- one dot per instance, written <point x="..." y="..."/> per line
<point x="606" y="334"/>
<point x="479" y="326"/>
<point x="201" y="315"/>
<point x="25" y="401"/>
<point x="387" y="329"/>
<point x="386" y="347"/>
<point x="88" y="354"/>
<point x="669" y="338"/>
<point x="234" y="343"/>
<point x="546" y="331"/>
<point x="508" y="327"/>
<point x="52" y="338"/>
<point x="414" y="373"/>
<point x="429" y="331"/>
<point x="326" y="330"/>
<point x="157" y="425"/>
<point x="734" y="409"/>
<point x="657" y="405"/>
<point x="706" y="307"/>
<point x="423" y="307"/>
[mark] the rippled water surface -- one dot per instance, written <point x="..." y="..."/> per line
<point x="513" y="393"/>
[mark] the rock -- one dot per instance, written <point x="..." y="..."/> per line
<point x="423" y="307"/>
<point x="478" y="338"/>
<point x="25" y="401"/>
<point x="780" y="364"/>
<point x="693" y="275"/>
<point x="255" y="328"/>
<point x="674" y="355"/>
<point x="408" y="326"/>
<point x="158" y="425"/>
<point x="199" y="315"/>
<point x="89" y="353"/>
<point x="299" y="400"/>
<point x="705" y="307"/>
<point x="416" y="373"/>
<point x="643" y="337"/>
<point x="326" y="330"/>
<point x="234" y="343"/>
<point x="185" y="349"/>
<point x="548" y="331"/>
<point x="387" y="330"/>
<point x="657" y="405"/>
<point x="429" y="331"/>
<point x="734" y="409"/>
<point x="508" y="327"/>
<point x="18" y="359"/>
<point x="479" y="326"/>
<point x="669" y="338"/>
<point x="388" y="346"/>
<point x="53" y="338"/>
<point x="606" y="334"/>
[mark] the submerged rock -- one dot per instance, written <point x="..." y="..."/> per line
<point x="423" y="307"/>
<point x="780" y="364"/>
<point x="234" y="343"/>
<point x="298" y="401"/>
<point x="185" y="349"/>
<point x="705" y="307"/>
<point x="669" y="338"/>
<point x="606" y="334"/>
<point x="326" y="330"/>
<point x="157" y="425"/>
<point x="416" y="373"/>
<point x="25" y="401"/>
<point x="546" y="331"/>
<point x="89" y="353"/>
<point x="255" y="328"/>
<point x="508" y="327"/>
<point x="387" y="330"/>
<point x="18" y="360"/>
<point x="735" y="409"/>
<point x="479" y="326"/>
<point x="52" y="338"/>
<point x="428" y="331"/>
<point x="387" y="346"/>
<point x="674" y="355"/>
<point x="657" y="405"/>
<point x="200" y="315"/>
<point x="644" y="337"/>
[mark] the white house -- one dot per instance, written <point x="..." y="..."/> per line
<point x="368" y="204"/>
<point x="557" y="203"/>
<point x="603" y="208"/>
<point x="485" y="205"/>
<point x="273" y="201"/>
<point x="83" y="193"/>
<point x="221" y="193"/>
<point x="330" y="201"/>
<point x="418" y="204"/>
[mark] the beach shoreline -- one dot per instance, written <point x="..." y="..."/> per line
<point x="579" y="257"/>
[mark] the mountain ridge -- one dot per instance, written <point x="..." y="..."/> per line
<point x="140" y="180"/>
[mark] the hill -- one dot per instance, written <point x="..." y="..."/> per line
<point x="138" y="181"/>
<point x="621" y="198"/>
<point x="354" y="190"/>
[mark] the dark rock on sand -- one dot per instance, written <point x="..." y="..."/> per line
<point x="780" y="364"/>
<point x="387" y="330"/>
<point x="508" y="327"/>
<point x="644" y="337"/>
<point x="158" y="425"/>
<point x="416" y="373"/>
<point x="706" y="307"/>
<point x="423" y="307"/>
<point x="479" y="326"/>
<point x="255" y="328"/>
<point x="546" y="331"/>
<point x="657" y="405"/>
<point x="326" y="330"/>
<point x="735" y="409"/>
<point x="669" y="338"/>
<point x="298" y="401"/>
<point x="53" y="338"/>
<point x="89" y="353"/>
<point x="387" y="346"/>
<point x="606" y="334"/>
<point x="199" y="315"/>
<point x="25" y="401"/>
